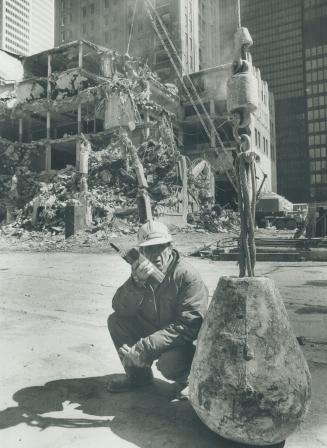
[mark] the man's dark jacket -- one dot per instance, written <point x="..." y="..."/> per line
<point x="171" y="314"/>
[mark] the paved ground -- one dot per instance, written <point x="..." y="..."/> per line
<point x="56" y="356"/>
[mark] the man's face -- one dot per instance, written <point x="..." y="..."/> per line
<point x="159" y="255"/>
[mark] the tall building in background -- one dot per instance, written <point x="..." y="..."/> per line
<point x="290" y="47"/>
<point x="315" y="52"/>
<point x="209" y="36"/>
<point x="192" y="25"/>
<point x="42" y="25"/>
<point x="26" y="26"/>
<point x="15" y="26"/>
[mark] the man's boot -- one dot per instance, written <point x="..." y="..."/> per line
<point x="134" y="378"/>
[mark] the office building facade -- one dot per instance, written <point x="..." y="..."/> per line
<point x="290" y="47"/>
<point x="15" y="26"/>
<point x="26" y="26"/>
<point x="315" y="52"/>
<point x="125" y="26"/>
<point x="42" y="26"/>
<point x="192" y="25"/>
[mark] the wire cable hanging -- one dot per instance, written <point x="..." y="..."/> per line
<point x="132" y="28"/>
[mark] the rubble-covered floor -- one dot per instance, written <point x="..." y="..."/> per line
<point x="189" y="239"/>
<point x="57" y="355"/>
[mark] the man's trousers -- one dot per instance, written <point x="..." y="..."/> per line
<point x="174" y="364"/>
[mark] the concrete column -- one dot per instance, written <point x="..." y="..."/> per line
<point x="183" y="171"/>
<point x="80" y="55"/>
<point x="212" y="108"/>
<point x="20" y="130"/>
<point x="94" y="120"/>
<point x="48" y="125"/>
<point x="48" y="145"/>
<point x="79" y="119"/>
<point x="49" y="75"/>
<point x="48" y="157"/>
<point x="78" y="154"/>
<point x="75" y="216"/>
<point x="85" y="149"/>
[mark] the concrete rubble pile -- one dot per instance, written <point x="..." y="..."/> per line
<point x="112" y="190"/>
<point x="82" y="94"/>
<point x="112" y="186"/>
<point x="215" y="219"/>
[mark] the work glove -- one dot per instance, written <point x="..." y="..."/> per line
<point x="132" y="357"/>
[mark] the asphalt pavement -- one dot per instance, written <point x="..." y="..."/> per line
<point x="57" y="355"/>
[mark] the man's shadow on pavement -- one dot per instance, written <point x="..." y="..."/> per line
<point x="145" y="417"/>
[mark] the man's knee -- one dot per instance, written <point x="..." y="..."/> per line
<point x="175" y="364"/>
<point x="122" y="330"/>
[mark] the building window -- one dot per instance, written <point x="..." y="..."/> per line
<point x="92" y="8"/>
<point x="106" y="3"/>
<point x="106" y="36"/>
<point x="62" y="36"/>
<point x="84" y="11"/>
<point x="83" y="28"/>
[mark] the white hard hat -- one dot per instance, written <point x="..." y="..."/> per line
<point x="152" y="233"/>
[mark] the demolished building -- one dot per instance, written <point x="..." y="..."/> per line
<point x="60" y="138"/>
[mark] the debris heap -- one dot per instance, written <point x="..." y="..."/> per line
<point x="81" y="93"/>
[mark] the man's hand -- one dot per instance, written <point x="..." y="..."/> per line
<point x="131" y="357"/>
<point x="141" y="271"/>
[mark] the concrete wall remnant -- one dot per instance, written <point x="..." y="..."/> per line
<point x="119" y="111"/>
<point x="11" y="68"/>
<point x="30" y="90"/>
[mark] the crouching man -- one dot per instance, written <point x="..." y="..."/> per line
<point x="158" y="322"/>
